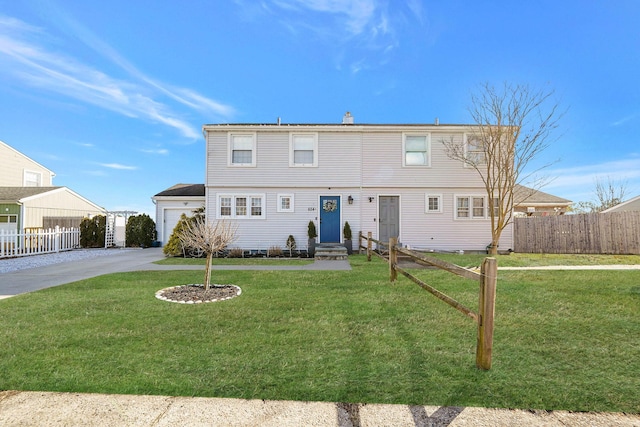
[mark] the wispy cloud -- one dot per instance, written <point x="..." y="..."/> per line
<point x="372" y="26"/>
<point x="162" y="151"/>
<point x="626" y="119"/>
<point x="26" y="55"/>
<point x="118" y="166"/>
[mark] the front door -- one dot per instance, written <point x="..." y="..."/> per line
<point x="389" y="221"/>
<point x="329" y="219"/>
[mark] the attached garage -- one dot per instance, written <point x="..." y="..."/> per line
<point x="172" y="203"/>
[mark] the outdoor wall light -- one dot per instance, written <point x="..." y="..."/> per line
<point x="350" y="200"/>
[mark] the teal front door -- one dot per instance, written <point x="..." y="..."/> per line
<point x="329" y="219"/>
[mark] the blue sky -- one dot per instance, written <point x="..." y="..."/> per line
<point x="112" y="96"/>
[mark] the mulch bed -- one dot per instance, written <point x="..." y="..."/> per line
<point x="196" y="294"/>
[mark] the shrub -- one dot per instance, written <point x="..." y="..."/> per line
<point x="140" y="231"/>
<point x="236" y="253"/>
<point x="275" y="251"/>
<point x="311" y="230"/>
<point x="346" y="232"/>
<point x="173" y="247"/>
<point x="92" y="231"/>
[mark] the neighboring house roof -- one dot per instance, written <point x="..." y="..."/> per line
<point x="183" y="190"/>
<point x="23" y="194"/>
<point x="525" y="196"/>
<point x="629" y="205"/>
<point x="16" y="194"/>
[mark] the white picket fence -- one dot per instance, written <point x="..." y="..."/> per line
<point x="15" y="244"/>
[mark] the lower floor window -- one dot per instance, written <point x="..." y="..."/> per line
<point x="470" y="207"/>
<point x="241" y="206"/>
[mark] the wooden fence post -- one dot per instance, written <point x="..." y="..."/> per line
<point x="369" y="246"/>
<point x="393" y="258"/>
<point x="359" y="242"/>
<point x="486" y="312"/>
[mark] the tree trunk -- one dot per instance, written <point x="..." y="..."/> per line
<point x="207" y="271"/>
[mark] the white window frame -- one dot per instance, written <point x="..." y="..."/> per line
<point x="427" y="207"/>
<point x="292" y="138"/>
<point x="37" y="175"/>
<point x="470" y="207"/>
<point x="235" y="206"/>
<point x="291" y="203"/>
<point x="230" y="141"/>
<point x="427" y="137"/>
<point x="468" y="152"/>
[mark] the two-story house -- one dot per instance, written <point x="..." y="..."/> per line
<point x="393" y="180"/>
<point x="28" y="198"/>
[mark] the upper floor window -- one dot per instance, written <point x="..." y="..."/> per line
<point x="32" y="179"/>
<point x="303" y="149"/>
<point x="416" y="150"/>
<point x="474" y="150"/>
<point x="242" y="149"/>
<point x="250" y="206"/>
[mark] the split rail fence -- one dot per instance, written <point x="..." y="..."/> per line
<point x="487" y="278"/>
<point x="38" y="241"/>
<point x="596" y="233"/>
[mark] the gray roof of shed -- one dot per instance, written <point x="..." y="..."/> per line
<point x="524" y="195"/>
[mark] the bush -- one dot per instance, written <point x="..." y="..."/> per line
<point x="236" y="253"/>
<point x="275" y="251"/>
<point x="174" y="246"/>
<point x="92" y="231"/>
<point x="140" y="231"/>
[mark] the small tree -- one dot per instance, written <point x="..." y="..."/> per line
<point x="140" y="231"/>
<point x="92" y="231"/>
<point x="513" y="125"/>
<point x="311" y="230"/>
<point x="346" y="231"/>
<point x="291" y="244"/>
<point x="209" y="238"/>
<point x="607" y="194"/>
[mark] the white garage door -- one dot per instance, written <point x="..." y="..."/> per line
<point x="171" y="218"/>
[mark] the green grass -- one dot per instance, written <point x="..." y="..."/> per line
<point x="235" y="261"/>
<point x="536" y="260"/>
<point x="563" y="340"/>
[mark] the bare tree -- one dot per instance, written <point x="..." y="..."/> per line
<point x="513" y="125"/>
<point x="607" y="194"/>
<point x="209" y="238"/>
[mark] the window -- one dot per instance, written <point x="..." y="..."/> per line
<point x="8" y="219"/>
<point x="247" y="206"/>
<point x="433" y="203"/>
<point x="470" y="207"/>
<point x="475" y="152"/>
<point x="495" y="208"/>
<point x="32" y="179"/>
<point x="303" y="149"/>
<point x="285" y="203"/>
<point x="242" y="149"/>
<point x="416" y="150"/>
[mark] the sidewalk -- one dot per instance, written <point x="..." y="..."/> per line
<point x="76" y="409"/>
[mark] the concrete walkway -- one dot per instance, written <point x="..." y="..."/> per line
<point x="24" y="408"/>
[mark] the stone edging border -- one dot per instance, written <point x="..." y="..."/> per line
<point x="160" y="295"/>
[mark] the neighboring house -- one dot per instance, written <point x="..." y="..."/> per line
<point x="29" y="200"/>
<point x="392" y="180"/>
<point x="18" y="170"/>
<point x="530" y="202"/>
<point x="629" y="205"/>
<point x="172" y="203"/>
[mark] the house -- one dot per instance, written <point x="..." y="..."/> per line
<point x="629" y="205"/>
<point x="29" y="200"/>
<point x="394" y="180"/>
<point x="172" y="203"/>
<point x="530" y="202"/>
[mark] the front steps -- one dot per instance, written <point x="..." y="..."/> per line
<point x="325" y="252"/>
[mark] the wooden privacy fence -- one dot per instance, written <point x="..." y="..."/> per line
<point x="596" y="233"/>
<point x="488" y="278"/>
<point x="39" y="241"/>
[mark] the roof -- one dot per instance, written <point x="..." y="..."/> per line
<point x="15" y="194"/>
<point x="629" y="205"/>
<point x="525" y="195"/>
<point x="183" y="190"/>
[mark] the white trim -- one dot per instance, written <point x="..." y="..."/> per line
<point x="279" y="198"/>
<point x="427" y="196"/>
<point x="37" y="174"/>
<point x="254" y="148"/>
<point x="470" y="198"/>
<point x="292" y="162"/>
<point x="234" y="197"/>
<point x="427" y="136"/>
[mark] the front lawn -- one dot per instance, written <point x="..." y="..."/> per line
<point x="563" y="340"/>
